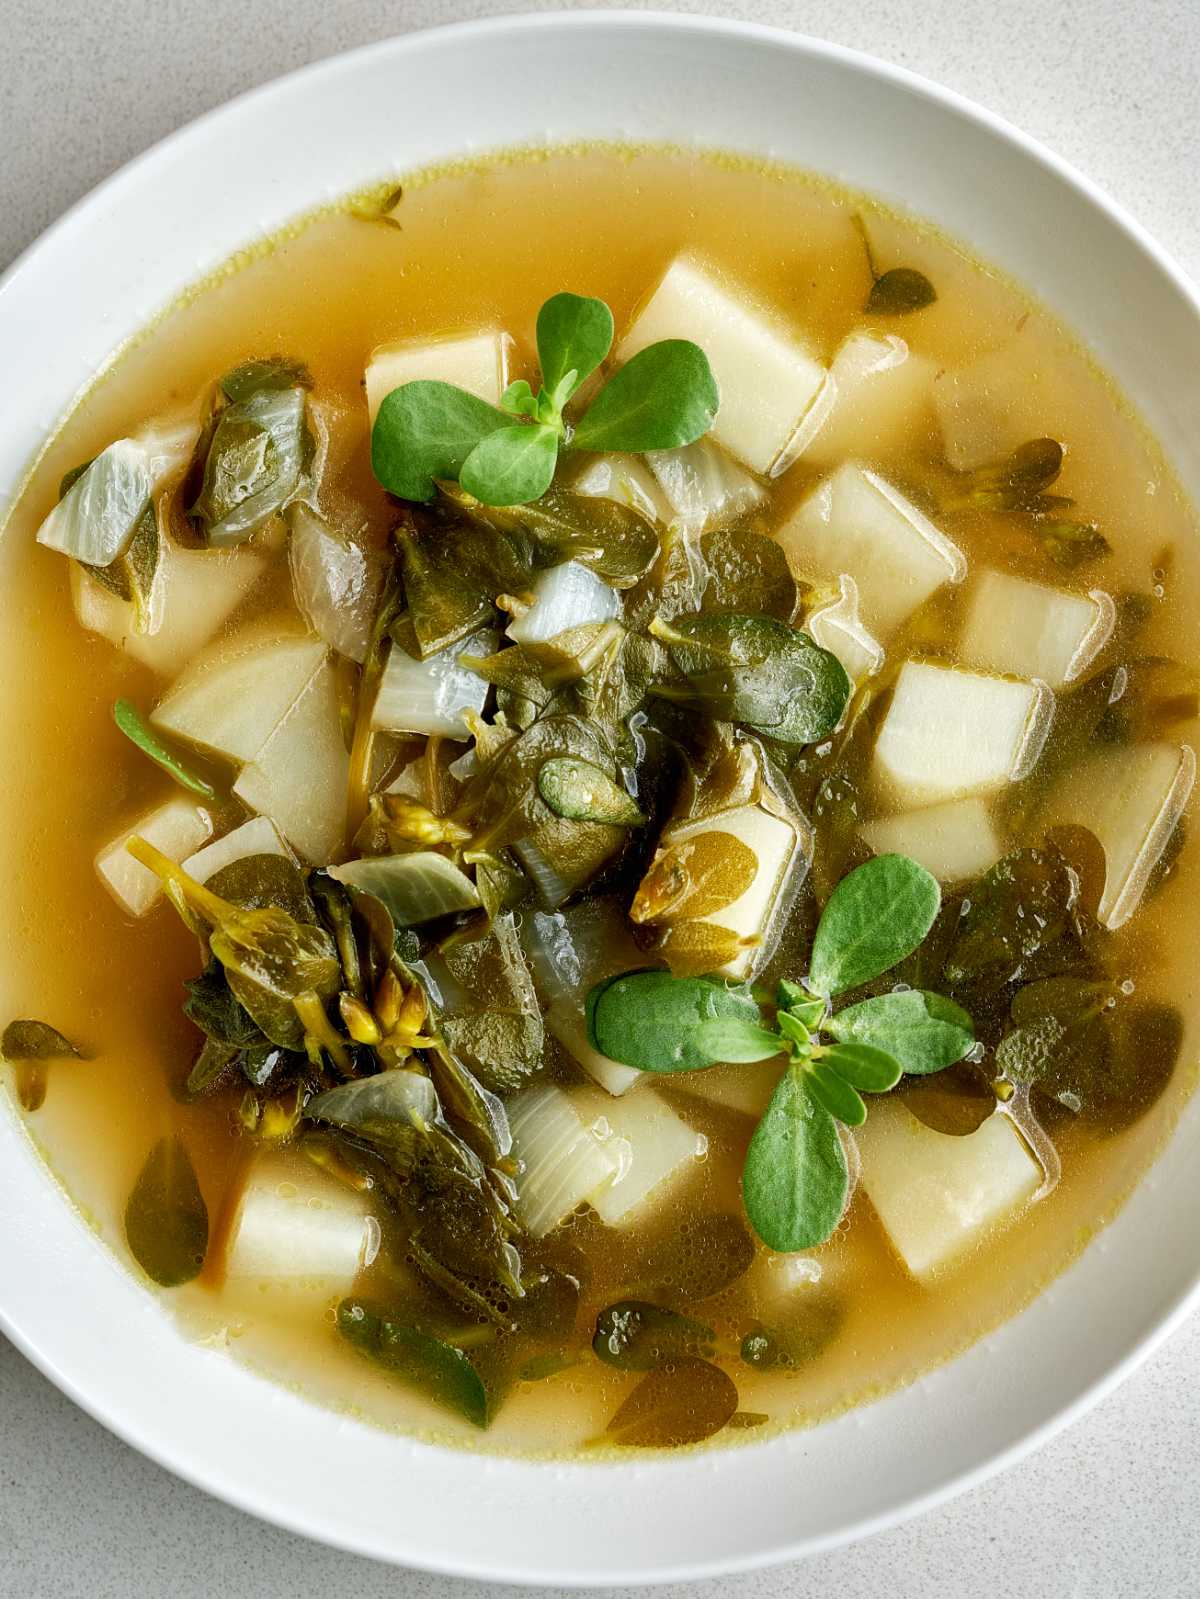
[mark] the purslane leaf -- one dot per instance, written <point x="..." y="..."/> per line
<point x="665" y="396"/>
<point x="511" y="465"/>
<point x="864" y="1066"/>
<point x="795" y="1180"/>
<point x="729" y="1039"/>
<point x="138" y="731"/>
<point x="166" y="1219"/>
<point x="830" y="1089"/>
<point x="651" y="1019"/>
<point x="924" y="1032"/>
<point x="426" y="430"/>
<point x="876" y="916"/>
<point x="574" y="333"/>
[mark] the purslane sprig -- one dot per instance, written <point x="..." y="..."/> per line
<point x="795" y="1179"/>
<point x="426" y="430"/>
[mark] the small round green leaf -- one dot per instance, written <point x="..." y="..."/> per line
<point x="638" y="1336"/>
<point x="574" y="333"/>
<point x="899" y="292"/>
<point x="680" y="1403"/>
<point x="581" y="792"/>
<point x="795" y="1181"/>
<point x="512" y="465"/>
<point x="664" y="396"/>
<point x="426" y="430"/>
<point x="651" y="1019"/>
<point x="876" y="915"/>
<point x="925" y="1032"/>
<point x="29" y="1040"/>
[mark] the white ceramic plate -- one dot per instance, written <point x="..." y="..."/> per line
<point x="180" y="210"/>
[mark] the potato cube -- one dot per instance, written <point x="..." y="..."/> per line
<point x="1032" y="630"/>
<point x="177" y="828"/>
<point x="477" y="362"/>
<point x="956" y="841"/>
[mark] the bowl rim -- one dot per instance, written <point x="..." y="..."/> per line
<point x="260" y="1502"/>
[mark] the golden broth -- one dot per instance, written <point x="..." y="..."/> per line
<point x="486" y="244"/>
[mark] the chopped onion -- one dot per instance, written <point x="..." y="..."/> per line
<point x="430" y="696"/>
<point x="266" y="481"/>
<point x="563" y="1162"/>
<point x="335" y="580"/>
<point x="838" y="628"/>
<point x="703" y="486"/>
<point x="662" y="1150"/>
<point x="626" y="479"/>
<point x="95" y="519"/>
<point x="563" y="597"/>
<point x="415" y="888"/>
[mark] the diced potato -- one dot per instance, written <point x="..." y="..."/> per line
<point x="292" y="1230"/>
<point x="563" y="1161"/>
<point x="232" y="701"/>
<point x="178" y="828"/>
<point x="882" y="395"/>
<point x="838" y="628"/>
<point x="775" y="843"/>
<point x="477" y="362"/>
<point x="741" y="1088"/>
<point x="258" y="836"/>
<point x="626" y="479"/>
<point x="949" y="734"/>
<point x="956" y="841"/>
<point x="430" y="696"/>
<point x="564" y="596"/>
<point x="937" y="1194"/>
<point x="301" y="775"/>
<point x="767" y="377"/>
<point x="662" y="1150"/>
<point x="193" y="594"/>
<point x="1131" y="799"/>
<point x="855" y="522"/>
<point x="1032" y="630"/>
<point x="703" y="487"/>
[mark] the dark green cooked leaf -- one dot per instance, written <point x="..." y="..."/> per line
<point x="900" y="291"/>
<point x="273" y="372"/>
<point x="437" y="1369"/>
<point x="680" y="1403"/>
<point x="139" y="732"/>
<point x="29" y="1040"/>
<point x="638" y="1336"/>
<point x="876" y="916"/>
<point x="581" y="792"/>
<point x="166" y="1219"/>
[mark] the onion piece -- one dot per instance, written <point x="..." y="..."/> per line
<point x="626" y="479"/>
<point x="662" y="1150"/>
<point x="415" y="888"/>
<point x="95" y="519"/>
<point x="430" y="696"/>
<point x="563" y="1161"/>
<point x="564" y="596"/>
<point x="704" y="487"/>
<point x="335" y="581"/>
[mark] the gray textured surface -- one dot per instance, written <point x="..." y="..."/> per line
<point x="1108" y="1509"/>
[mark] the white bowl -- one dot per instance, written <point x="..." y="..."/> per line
<point x="126" y="252"/>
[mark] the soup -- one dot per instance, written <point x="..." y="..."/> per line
<point x="616" y="791"/>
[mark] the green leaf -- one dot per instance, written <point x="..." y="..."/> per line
<point x="650" y="1019"/>
<point x="216" y="1012"/>
<point x="582" y="792"/>
<point x="511" y="465"/>
<point x="574" y="333"/>
<point x="876" y="916"/>
<point x="254" y="464"/>
<point x="748" y="572"/>
<point x="610" y="538"/>
<point x="29" y="1040"/>
<point x="814" y="1321"/>
<point x="636" y="1336"/>
<point x="731" y="1039"/>
<point x="700" y="1260"/>
<point x="683" y="1402"/>
<point x="830" y="1089"/>
<point x="131" y="576"/>
<point x="452" y="576"/>
<point x="166" y="1219"/>
<point x="795" y="1181"/>
<point x="135" y="728"/>
<point x="519" y="399"/>
<point x="864" y="1066"/>
<point x="808" y="1009"/>
<point x="665" y="396"/>
<point x="900" y="291"/>
<point x="924" y="1032"/>
<point x="425" y="430"/>
<point x="438" y="1369"/>
<point x="764" y="674"/>
<point x="795" y="1031"/>
<point x="1018" y="908"/>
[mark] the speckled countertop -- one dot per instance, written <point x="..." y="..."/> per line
<point x="1109" y="1509"/>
